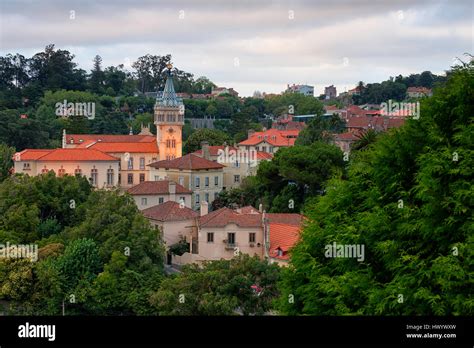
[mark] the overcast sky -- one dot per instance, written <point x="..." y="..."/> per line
<point x="251" y="45"/>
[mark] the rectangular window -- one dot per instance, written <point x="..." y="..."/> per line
<point x="198" y="182"/>
<point x="130" y="163"/>
<point x="216" y="181"/>
<point x="231" y="238"/>
<point x="251" y="237"/>
<point x="210" y="237"/>
<point x="94" y="177"/>
<point x="110" y="177"/>
<point x="161" y="200"/>
<point x="236" y="178"/>
<point x="142" y="163"/>
<point x="206" y="181"/>
<point x="130" y="178"/>
<point x="264" y="148"/>
<point x="182" y="200"/>
<point x="181" y="180"/>
<point x="198" y="199"/>
<point x="157" y="177"/>
<point x="206" y="197"/>
<point x="144" y="201"/>
<point x="142" y="177"/>
<point x="26" y="166"/>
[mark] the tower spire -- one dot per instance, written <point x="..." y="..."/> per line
<point x="168" y="97"/>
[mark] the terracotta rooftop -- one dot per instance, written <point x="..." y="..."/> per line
<point x="65" y="155"/>
<point x="285" y="218"/>
<point x="156" y="188"/>
<point x="282" y="237"/>
<point x="346" y="136"/>
<point x="117" y="147"/>
<point x="169" y="211"/>
<point x="274" y="137"/>
<point x="109" y="138"/>
<point x="189" y="161"/>
<point x="226" y="216"/>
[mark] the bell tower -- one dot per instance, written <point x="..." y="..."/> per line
<point x="169" y="120"/>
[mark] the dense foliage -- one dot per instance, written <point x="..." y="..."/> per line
<point x="408" y="199"/>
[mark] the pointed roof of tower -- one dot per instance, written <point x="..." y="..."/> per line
<point x="168" y="97"/>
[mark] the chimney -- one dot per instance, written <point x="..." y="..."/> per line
<point x="204" y="208"/>
<point x="205" y="150"/>
<point x="172" y="190"/>
<point x="131" y="131"/>
<point x="250" y="132"/>
<point x="260" y="208"/>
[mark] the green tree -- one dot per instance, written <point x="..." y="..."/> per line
<point x="219" y="288"/>
<point x="408" y="201"/>
<point x="6" y="162"/>
<point x="214" y="137"/>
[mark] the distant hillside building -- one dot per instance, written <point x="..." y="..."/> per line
<point x="217" y="91"/>
<point x="302" y="89"/>
<point x="270" y="140"/>
<point x="330" y="92"/>
<point x="150" y="193"/>
<point x="418" y="92"/>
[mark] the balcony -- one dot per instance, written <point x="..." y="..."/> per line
<point x="229" y="246"/>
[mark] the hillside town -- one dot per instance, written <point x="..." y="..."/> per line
<point x="175" y="191"/>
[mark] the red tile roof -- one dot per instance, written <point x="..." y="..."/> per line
<point x="285" y="218"/>
<point x="225" y="216"/>
<point x="31" y="154"/>
<point x="264" y="155"/>
<point x="376" y="122"/>
<point x="108" y="138"/>
<point x="66" y="155"/>
<point x="283" y="237"/>
<point x="346" y="136"/>
<point x="115" y="147"/>
<point x="169" y="211"/>
<point x="418" y="90"/>
<point x="274" y="137"/>
<point x="189" y="161"/>
<point x="156" y="188"/>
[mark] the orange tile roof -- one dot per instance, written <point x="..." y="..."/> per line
<point x="283" y="237"/>
<point x="264" y="155"/>
<point x="189" y="161"/>
<point x="114" y="147"/>
<point x="31" y="154"/>
<point x="169" y="211"/>
<point x="66" y="155"/>
<point x="285" y="218"/>
<point x="345" y="136"/>
<point x="226" y="216"/>
<point x="109" y="138"/>
<point x="274" y="137"/>
<point x="155" y="188"/>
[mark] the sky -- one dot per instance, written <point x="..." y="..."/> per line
<point x="252" y="45"/>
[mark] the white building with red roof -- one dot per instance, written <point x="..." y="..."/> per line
<point x="133" y="152"/>
<point x="201" y="176"/>
<point x="269" y="141"/>
<point x="237" y="163"/>
<point x="101" y="168"/>
<point x="151" y="193"/>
